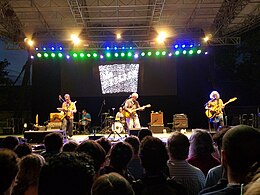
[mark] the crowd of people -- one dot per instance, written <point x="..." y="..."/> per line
<point x="226" y="163"/>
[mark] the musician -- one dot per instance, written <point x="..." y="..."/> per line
<point x="132" y="119"/>
<point x="68" y="110"/>
<point x="120" y="115"/>
<point x="85" y="120"/>
<point x="214" y="109"/>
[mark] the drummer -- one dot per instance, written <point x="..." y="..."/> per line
<point x="85" y="121"/>
<point x="120" y="116"/>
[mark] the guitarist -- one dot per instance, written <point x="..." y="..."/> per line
<point x="132" y="119"/>
<point x="68" y="110"/>
<point x="214" y="109"/>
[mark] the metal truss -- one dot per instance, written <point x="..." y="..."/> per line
<point x="228" y="11"/>
<point x="221" y="41"/>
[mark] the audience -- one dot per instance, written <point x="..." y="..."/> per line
<point x="154" y="156"/>
<point x="134" y="166"/>
<point x="112" y="184"/>
<point x="67" y="173"/>
<point x="70" y="146"/>
<point x="240" y="150"/>
<point x="8" y="170"/>
<point x="143" y="133"/>
<point x="201" y="149"/>
<point x="23" y="149"/>
<point x="10" y="142"/>
<point x="120" y="155"/>
<point x="105" y="143"/>
<point x="28" y="175"/>
<point x="191" y="177"/>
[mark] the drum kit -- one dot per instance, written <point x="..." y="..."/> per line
<point x="113" y="125"/>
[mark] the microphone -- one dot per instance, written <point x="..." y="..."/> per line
<point x="130" y="96"/>
<point x="104" y="102"/>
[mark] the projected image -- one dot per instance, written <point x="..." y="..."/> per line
<point x="116" y="78"/>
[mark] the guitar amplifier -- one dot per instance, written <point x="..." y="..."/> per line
<point x="180" y="121"/>
<point x="157" y="118"/>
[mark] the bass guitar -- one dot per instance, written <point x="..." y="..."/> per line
<point x="213" y="111"/>
<point x="128" y="114"/>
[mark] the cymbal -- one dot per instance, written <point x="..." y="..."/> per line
<point x="105" y="113"/>
<point x="110" y="117"/>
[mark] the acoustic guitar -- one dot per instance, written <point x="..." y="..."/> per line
<point x="215" y="110"/>
<point x="128" y="114"/>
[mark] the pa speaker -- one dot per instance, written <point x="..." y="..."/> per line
<point x="38" y="136"/>
<point x="134" y="131"/>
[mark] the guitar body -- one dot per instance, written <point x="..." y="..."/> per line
<point x="210" y="113"/>
<point x="133" y="111"/>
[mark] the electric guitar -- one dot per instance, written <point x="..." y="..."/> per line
<point x="128" y="114"/>
<point x="66" y="112"/>
<point x="215" y="110"/>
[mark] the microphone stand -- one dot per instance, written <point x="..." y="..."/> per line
<point x="100" y="115"/>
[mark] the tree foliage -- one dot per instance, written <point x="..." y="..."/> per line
<point x="4" y="79"/>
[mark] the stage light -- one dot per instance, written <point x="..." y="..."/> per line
<point x="115" y="48"/>
<point x="122" y="54"/>
<point x="32" y="57"/>
<point x="39" y="55"/>
<point x="53" y="55"/>
<point x="184" y="52"/>
<point x="95" y="55"/>
<point x="68" y="56"/>
<point x="191" y="45"/>
<point x="88" y="55"/>
<point x="82" y="55"/>
<point x="191" y="52"/>
<point x="177" y="53"/>
<point x="101" y="57"/>
<point x="118" y="36"/>
<point x="46" y="55"/>
<point x="108" y="55"/>
<point x="176" y="46"/>
<point x="123" y="47"/>
<point x="60" y="55"/>
<point x="149" y="53"/>
<point x="107" y="48"/>
<point x="143" y="54"/>
<point x="206" y="53"/>
<point x="157" y="53"/>
<point x="199" y="51"/>
<point x="161" y="37"/>
<point x="116" y="55"/>
<point x="183" y="45"/>
<point x="52" y="48"/>
<point x="75" y="39"/>
<point x="75" y="55"/>
<point x="44" y="49"/>
<point x="136" y="55"/>
<point x="164" y="53"/>
<point x="129" y="54"/>
<point x="130" y="47"/>
<point x="60" y="48"/>
<point x="170" y="54"/>
<point x="36" y="48"/>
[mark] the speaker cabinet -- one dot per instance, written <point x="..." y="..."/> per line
<point x="134" y="131"/>
<point x="157" y="128"/>
<point x="157" y="118"/>
<point x="180" y="121"/>
<point x="38" y="136"/>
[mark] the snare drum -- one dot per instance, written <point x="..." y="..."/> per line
<point x="118" y="127"/>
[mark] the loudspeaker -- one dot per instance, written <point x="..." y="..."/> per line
<point x="180" y="121"/>
<point x="157" y="118"/>
<point x="95" y="137"/>
<point x="38" y="136"/>
<point x="134" y="131"/>
<point x="156" y="128"/>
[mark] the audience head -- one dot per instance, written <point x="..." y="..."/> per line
<point x="153" y="154"/>
<point x="105" y="143"/>
<point x="8" y="169"/>
<point x="143" y="133"/>
<point x="23" y="149"/>
<point x="70" y="146"/>
<point x="121" y="154"/>
<point x="67" y="173"/>
<point x="94" y="150"/>
<point x="240" y="150"/>
<point x="134" y="142"/>
<point x="218" y="137"/>
<point x="53" y="142"/>
<point x="10" y="142"/>
<point x="112" y="184"/>
<point x="178" y="146"/>
<point x="201" y="143"/>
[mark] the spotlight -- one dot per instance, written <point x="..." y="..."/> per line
<point x="53" y="55"/>
<point x="68" y="56"/>
<point x="52" y="48"/>
<point x="88" y="55"/>
<point x="39" y="55"/>
<point x="164" y="53"/>
<point x="60" y="55"/>
<point x="142" y="54"/>
<point x="116" y="55"/>
<point x="95" y="55"/>
<point x="75" y="39"/>
<point x="136" y="55"/>
<point x="176" y="46"/>
<point x="199" y="51"/>
<point x="60" y="48"/>
<point x="82" y="55"/>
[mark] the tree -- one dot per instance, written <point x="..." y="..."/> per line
<point x="4" y="80"/>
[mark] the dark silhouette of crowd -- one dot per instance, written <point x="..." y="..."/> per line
<point x="225" y="163"/>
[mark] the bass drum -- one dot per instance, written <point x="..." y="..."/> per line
<point x="118" y="127"/>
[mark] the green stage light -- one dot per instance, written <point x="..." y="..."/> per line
<point x="108" y="55"/>
<point x="39" y="55"/>
<point x="89" y="55"/>
<point x="75" y="55"/>
<point x="157" y="53"/>
<point x="129" y="54"/>
<point x="122" y="54"/>
<point x="143" y="54"/>
<point x="46" y="55"/>
<point x="184" y="52"/>
<point x="191" y="52"/>
<point x="53" y="55"/>
<point x="199" y="51"/>
<point x="82" y="55"/>
<point x="60" y="55"/>
<point x="116" y="55"/>
<point x="95" y="55"/>
<point x="177" y="53"/>
<point x="164" y="53"/>
<point x="149" y="53"/>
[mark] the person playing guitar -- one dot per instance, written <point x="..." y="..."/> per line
<point x="67" y="114"/>
<point x="214" y="110"/>
<point x="132" y="119"/>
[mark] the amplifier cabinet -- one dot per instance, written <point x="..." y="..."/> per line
<point x="180" y="121"/>
<point x="157" y="118"/>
